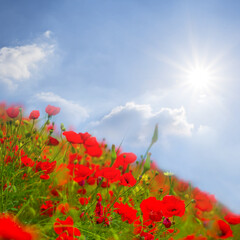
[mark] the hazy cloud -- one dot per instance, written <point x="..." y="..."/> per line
<point x="136" y="123"/>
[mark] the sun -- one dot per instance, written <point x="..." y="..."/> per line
<point x="199" y="78"/>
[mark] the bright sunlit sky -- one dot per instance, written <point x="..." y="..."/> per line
<point x="116" y="68"/>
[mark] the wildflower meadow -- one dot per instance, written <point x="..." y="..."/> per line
<point x="63" y="185"/>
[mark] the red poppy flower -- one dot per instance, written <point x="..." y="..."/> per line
<point x="204" y="201"/>
<point x="127" y="213"/>
<point x="99" y="209"/>
<point x="79" y="172"/>
<point x="45" y="176"/>
<point x="51" y="110"/>
<point x="109" y="173"/>
<point x="221" y="230"/>
<point x="10" y="229"/>
<point x="47" y="208"/>
<point x="232" y="218"/>
<point x="85" y="136"/>
<point x="151" y="209"/>
<point x="83" y="201"/>
<point x="127" y="179"/>
<point x="48" y="167"/>
<point x="34" y="114"/>
<point x="172" y="206"/>
<point x="26" y="161"/>
<point x="94" y="151"/>
<point x="124" y="160"/>
<point x="73" y="137"/>
<point x="91" y="181"/>
<point x="52" y="141"/>
<point x="92" y="147"/>
<point x="12" y="112"/>
<point x="63" y="208"/>
<point x="66" y="226"/>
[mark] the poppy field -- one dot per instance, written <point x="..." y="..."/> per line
<point x="60" y="184"/>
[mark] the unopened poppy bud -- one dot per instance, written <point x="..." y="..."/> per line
<point x="156" y="173"/>
<point x="146" y="166"/>
<point x="50" y="131"/>
<point x="193" y="201"/>
<point x="99" y="179"/>
<point x="167" y="223"/>
<point x="62" y="127"/>
<point x="81" y="183"/>
<point x="155" y="135"/>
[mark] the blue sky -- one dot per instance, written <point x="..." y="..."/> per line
<point x="116" y="68"/>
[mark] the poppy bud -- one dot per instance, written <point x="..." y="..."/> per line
<point x="146" y="166"/>
<point x="62" y="127"/>
<point x="167" y="223"/>
<point x="155" y="134"/>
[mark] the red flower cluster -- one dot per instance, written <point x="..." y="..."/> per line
<point x="124" y="160"/>
<point x="90" y="143"/>
<point x="154" y="209"/>
<point x="47" y="168"/>
<point x="79" y="172"/>
<point x="65" y="229"/>
<point x="127" y="213"/>
<point x="127" y="179"/>
<point x="110" y="173"/>
<point x="48" y="208"/>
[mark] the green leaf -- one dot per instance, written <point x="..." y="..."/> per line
<point x="155" y="134"/>
<point x="113" y="155"/>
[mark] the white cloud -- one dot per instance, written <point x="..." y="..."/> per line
<point x="17" y="64"/>
<point x="137" y="123"/>
<point x="47" y="34"/>
<point x="73" y="113"/>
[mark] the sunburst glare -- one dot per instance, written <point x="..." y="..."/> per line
<point x="199" y="78"/>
